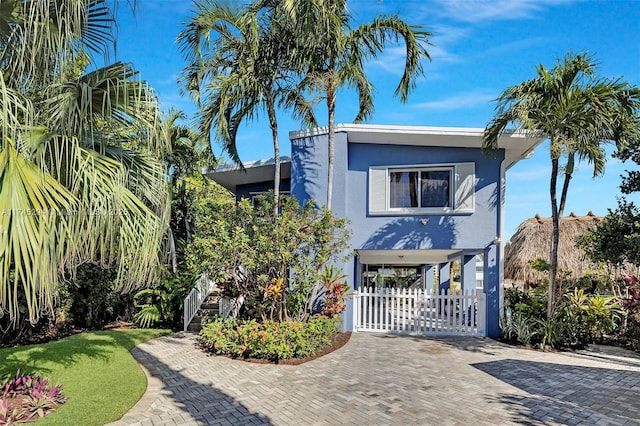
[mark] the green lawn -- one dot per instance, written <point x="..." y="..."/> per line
<point x="99" y="377"/>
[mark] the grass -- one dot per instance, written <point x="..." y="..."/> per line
<point x="99" y="377"/>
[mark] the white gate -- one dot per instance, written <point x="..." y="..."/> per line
<point x="416" y="311"/>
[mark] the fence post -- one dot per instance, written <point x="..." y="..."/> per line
<point x="482" y="318"/>
<point x="356" y="310"/>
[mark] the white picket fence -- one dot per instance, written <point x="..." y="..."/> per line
<point x="418" y="311"/>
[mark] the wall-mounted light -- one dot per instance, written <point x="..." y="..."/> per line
<point x="424" y="221"/>
<point x="497" y="241"/>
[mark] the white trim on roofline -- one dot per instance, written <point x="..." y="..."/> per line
<point x="517" y="144"/>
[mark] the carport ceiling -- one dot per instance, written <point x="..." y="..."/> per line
<point x="406" y="257"/>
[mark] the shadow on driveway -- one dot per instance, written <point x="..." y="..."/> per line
<point x="567" y="394"/>
<point x="197" y="403"/>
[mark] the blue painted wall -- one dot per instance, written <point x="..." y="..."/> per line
<point x="474" y="231"/>
<point x="245" y="191"/>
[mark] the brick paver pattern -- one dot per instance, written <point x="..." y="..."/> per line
<point x="380" y="379"/>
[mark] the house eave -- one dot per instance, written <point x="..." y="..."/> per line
<point x="517" y="144"/>
<point x="231" y="176"/>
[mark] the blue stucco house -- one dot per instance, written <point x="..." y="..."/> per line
<point x="419" y="200"/>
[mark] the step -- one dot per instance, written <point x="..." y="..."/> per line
<point x="207" y="311"/>
<point x="210" y="306"/>
<point x="194" y="327"/>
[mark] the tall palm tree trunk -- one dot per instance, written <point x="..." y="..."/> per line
<point x="555" y="238"/>
<point x="273" y="123"/>
<point x="331" y="109"/>
<point x="568" y="173"/>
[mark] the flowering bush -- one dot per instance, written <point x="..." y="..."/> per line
<point x="269" y="339"/>
<point x="275" y="263"/>
<point x="26" y="398"/>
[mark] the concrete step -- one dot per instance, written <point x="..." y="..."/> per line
<point x="210" y="306"/>
<point x="194" y="327"/>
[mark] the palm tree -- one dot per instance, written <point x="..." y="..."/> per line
<point x="330" y="55"/>
<point x="72" y="187"/>
<point x="189" y="154"/>
<point x="579" y="113"/>
<point x="238" y="63"/>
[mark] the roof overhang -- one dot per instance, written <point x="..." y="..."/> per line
<point x="232" y="175"/>
<point x="517" y="144"/>
<point x="411" y="257"/>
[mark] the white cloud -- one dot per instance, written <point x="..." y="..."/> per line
<point x="485" y="10"/>
<point x="467" y="100"/>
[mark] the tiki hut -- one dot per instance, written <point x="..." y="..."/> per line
<point x="532" y="241"/>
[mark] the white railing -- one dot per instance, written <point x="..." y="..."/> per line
<point x="230" y="307"/>
<point x="195" y="298"/>
<point x="418" y="311"/>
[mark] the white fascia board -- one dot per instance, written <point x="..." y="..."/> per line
<point x="517" y="144"/>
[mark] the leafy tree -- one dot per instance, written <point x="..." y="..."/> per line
<point x="238" y="63"/>
<point x="616" y="240"/>
<point x="274" y="263"/>
<point x="579" y="113"/>
<point x="330" y="54"/>
<point x="72" y="188"/>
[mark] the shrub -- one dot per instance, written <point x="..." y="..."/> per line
<point x="89" y="299"/>
<point x="269" y="339"/>
<point x="275" y="263"/>
<point x="26" y="398"/>
<point x="580" y="319"/>
<point x="163" y="304"/>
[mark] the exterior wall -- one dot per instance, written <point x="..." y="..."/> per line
<point x="473" y="232"/>
<point x="245" y="191"/>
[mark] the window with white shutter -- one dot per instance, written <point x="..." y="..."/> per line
<point x="433" y="189"/>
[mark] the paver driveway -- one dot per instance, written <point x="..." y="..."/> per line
<point x="390" y="379"/>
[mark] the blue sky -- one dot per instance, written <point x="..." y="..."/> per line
<point x="479" y="49"/>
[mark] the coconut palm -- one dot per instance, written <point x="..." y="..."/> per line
<point x="239" y="62"/>
<point x="579" y="113"/>
<point x="72" y="186"/>
<point x="330" y="54"/>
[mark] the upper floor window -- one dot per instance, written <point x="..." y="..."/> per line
<point x="420" y="188"/>
<point x="433" y="189"/>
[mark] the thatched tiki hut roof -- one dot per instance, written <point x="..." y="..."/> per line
<point x="532" y="241"/>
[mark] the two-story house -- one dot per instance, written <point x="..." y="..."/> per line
<point x="419" y="200"/>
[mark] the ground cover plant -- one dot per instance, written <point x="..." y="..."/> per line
<point x="101" y="379"/>
<point x="25" y="398"/>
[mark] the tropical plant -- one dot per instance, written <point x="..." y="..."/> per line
<point x="75" y="190"/>
<point x="274" y="263"/>
<point x="549" y="332"/>
<point x="616" y="239"/>
<point x="330" y="54"/>
<point x="335" y="287"/>
<point x="579" y="113"/>
<point x="89" y="299"/>
<point x="238" y="62"/>
<point x="32" y="398"/>
<point x="189" y="155"/>
<point x="163" y="303"/>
